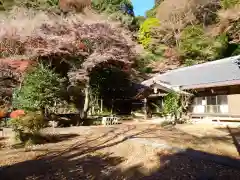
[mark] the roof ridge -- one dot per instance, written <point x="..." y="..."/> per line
<point x="212" y="82"/>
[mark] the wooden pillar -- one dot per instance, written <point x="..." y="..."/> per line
<point x="145" y="108"/>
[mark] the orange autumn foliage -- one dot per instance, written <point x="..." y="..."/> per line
<point x="17" y="113"/>
<point x="71" y="5"/>
<point x="82" y="46"/>
<point x="3" y="113"/>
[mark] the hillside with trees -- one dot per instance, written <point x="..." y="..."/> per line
<point x="190" y="32"/>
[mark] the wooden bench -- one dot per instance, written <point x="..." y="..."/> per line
<point x="53" y="124"/>
<point x="110" y="120"/>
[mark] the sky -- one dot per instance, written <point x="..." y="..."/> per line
<point x="141" y="6"/>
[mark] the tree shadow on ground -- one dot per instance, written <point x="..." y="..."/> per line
<point x="55" y="138"/>
<point x="111" y="138"/>
<point x="185" y="137"/>
<point x="236" y="138"/>
<point x="193" y="164"/>
<point x="44" y="139"/>
<point x="235" y="134"/>
<point x="190" y="164"/>
<point x="172" y="135"/>
<point x="82" y="160"/>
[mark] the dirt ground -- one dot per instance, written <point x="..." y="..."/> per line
<point x="128" y="151"/>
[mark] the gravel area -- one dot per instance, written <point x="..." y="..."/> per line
<point x="124" y="152"/>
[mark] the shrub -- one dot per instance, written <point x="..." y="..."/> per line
<point x="196" y="46"/>
<point x="27" y="127"/>
<point x="40" y="89"/>
<point x="166" y="123"/>
<point x="32" y="122"/>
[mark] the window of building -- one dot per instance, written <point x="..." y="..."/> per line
<point x="212" y="100"/>
<point x="198" y="100"/>
<point x="210" y="104"/>
<point x="222" y="99"/>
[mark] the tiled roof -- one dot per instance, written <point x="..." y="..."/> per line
<point x="220" y="72"/>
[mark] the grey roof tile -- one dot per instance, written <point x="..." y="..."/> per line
<point x="211" y="72"/>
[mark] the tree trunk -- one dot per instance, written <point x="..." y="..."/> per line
<point x="112" y="107"/>
<point x="101" y="105"/>
<point x="145" y="109"/>
<point x="84" y="112"/>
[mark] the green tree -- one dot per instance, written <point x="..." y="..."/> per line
<point x="237" y="50"/>
<point x="196" y="46"/>
<point x="151" y="13"/>
<point x="110" y="83"/>
<point x="5" y="4"/>
<point x="146" y="31"/>
<point x="110" y="6"/>
<point x="144" y="61"/>
<point x="157" y="2"/>
<point x="121" y="10"/>
<point x="139" y="20"/>
<point x="226" y="4"/>
<point x="171" y="104"/>
<point x="40" y="89"/>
